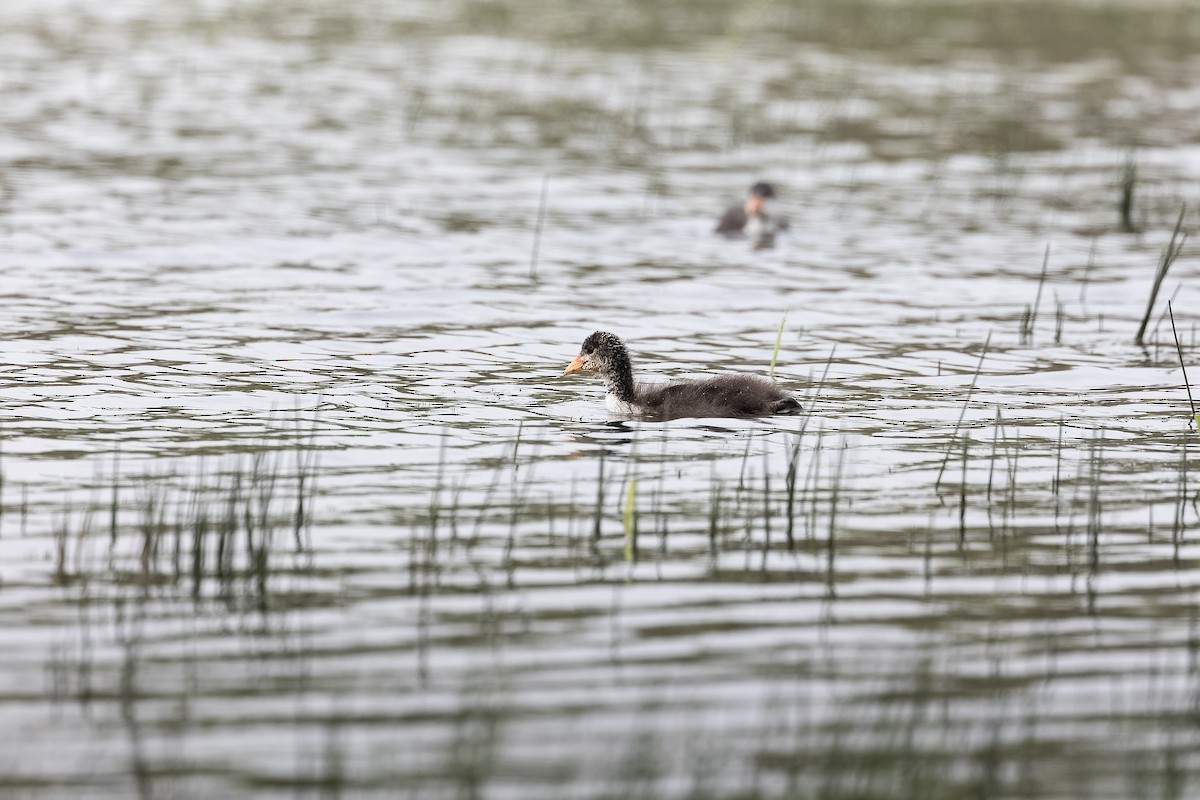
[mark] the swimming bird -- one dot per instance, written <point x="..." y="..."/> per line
<point x="752" y="218"/>
<point x="721" y="396"/>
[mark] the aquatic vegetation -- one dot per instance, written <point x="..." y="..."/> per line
<point x="1169" y="255"/>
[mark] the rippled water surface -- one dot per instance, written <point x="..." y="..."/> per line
<point x="295" y="502"/>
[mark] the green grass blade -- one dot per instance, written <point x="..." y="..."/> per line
<point x="630" y="520"/>
<point x="778" y="340"/>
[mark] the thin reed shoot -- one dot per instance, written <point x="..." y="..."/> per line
<point x="537" y="229"/>
<point x="1169" y="255"/>
<point x="778" y="341"/>
<point x="1029" y="318"/>
<point x="1129" y="176"/>
<point x="1179" y="351"/>
<point x="962" y="415"/>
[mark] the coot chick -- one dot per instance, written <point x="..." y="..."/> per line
<point x="752" y="218"/>
<point x="722" y="396"/>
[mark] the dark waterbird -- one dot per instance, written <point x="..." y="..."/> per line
<point x="752" y="217"/>
<point x="721" y="396"/>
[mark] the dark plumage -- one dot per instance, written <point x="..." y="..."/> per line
<point x="762" y="225"/>
<point x="722" y="396"/>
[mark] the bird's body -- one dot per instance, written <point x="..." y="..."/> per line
<point x="752" y="219"/>
<point x="720" y="396"/>
<point x="733" y="221"/>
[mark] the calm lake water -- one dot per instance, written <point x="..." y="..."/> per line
<point x="295" y="502"/>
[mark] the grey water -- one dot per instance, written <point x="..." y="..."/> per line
<point x="295" y="502"/>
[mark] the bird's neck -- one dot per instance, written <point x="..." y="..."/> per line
<point x="618" y="380"/>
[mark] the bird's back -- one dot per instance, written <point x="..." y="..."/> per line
<point x="722" y="396"/>
<point x="732" y="221"/>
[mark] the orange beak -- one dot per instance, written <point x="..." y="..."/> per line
<point x="754" y="205"/>
<point x="574" y="366"/>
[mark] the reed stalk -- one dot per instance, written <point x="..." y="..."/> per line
<point x="1174" y="248"/>
<point x="778" y="341"/>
